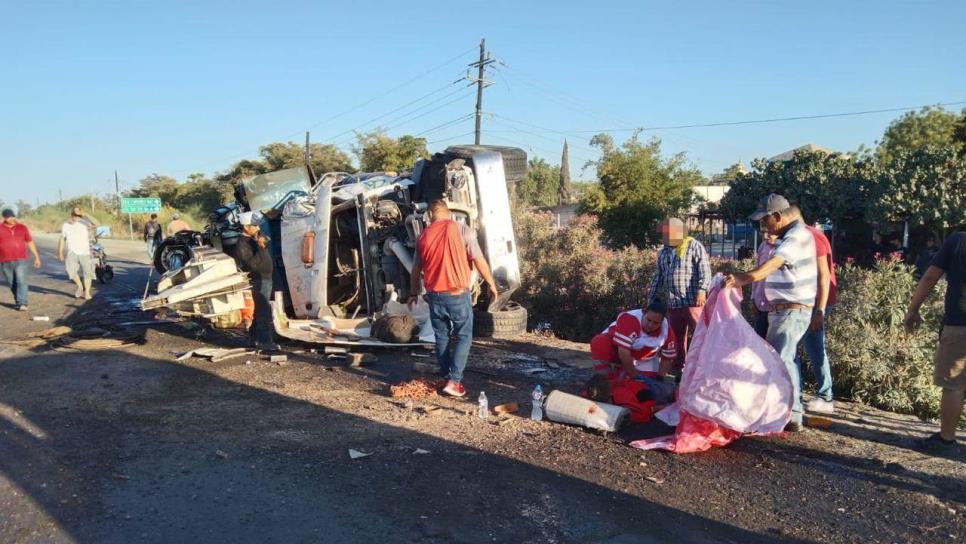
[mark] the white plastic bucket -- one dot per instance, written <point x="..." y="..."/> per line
<point x="566" y="408"/>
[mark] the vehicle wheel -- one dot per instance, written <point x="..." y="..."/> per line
<point x="509" y="322"/>
<point x="171" y="254"/>
<point x="514" y="158"/>
<point x="107" y="275"/>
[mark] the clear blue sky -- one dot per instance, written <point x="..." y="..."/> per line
<point x="175" y="88"/>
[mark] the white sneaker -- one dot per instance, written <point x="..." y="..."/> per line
<point x="820" y="406"/>
<point x="79" y="293"/>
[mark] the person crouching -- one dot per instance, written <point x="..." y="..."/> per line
<point x="640" y="346"/>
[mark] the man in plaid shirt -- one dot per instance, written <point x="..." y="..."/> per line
<point x="682" y="279"/>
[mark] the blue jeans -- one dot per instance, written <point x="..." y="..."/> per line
<point x="151" y="245"/>
<point x="662" y="391"/>
<point x="15" y="272"/>
<point x="814" y="344"/>
<point x="785" y="330"/>
<point x="451" y="316"/>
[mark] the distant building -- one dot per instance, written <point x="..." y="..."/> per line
<point x="790" y="154"/>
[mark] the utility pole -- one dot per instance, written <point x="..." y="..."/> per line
<point x="60" y="194"/>
<point x="117" y="193"/>
<point x="481" y="82"/>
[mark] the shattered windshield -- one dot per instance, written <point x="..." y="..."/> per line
<point x="266" y="191"/>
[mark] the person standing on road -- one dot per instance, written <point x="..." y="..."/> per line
<point x="177" y="225"/>
<point x="14" y="241"/>
<point x="791" y="280"/>
<point x="252" y="256"/>
<point x="681" y="280"/>
<point x="444" y="252"/>
<point x="74" y="234"/>
<point x="814" y="340"/>
<point x="950" y="372"/>
<point x="152" y="235"/>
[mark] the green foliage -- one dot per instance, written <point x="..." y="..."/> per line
<point x="931" y="126"/>
<point x="927" y="186"/>
<point x="571" y="281"/>
<point x="824" y="185"/>
<point x="873" y="359"/>
<point x="540" y="187"/>
<point x="378" y="152"/>
<point x="278" y="156"/>
<point x="728" y="175"/>
<point x="564" y="190"/>
<point x="638" y="187"/>
<point x="197" y="193"/>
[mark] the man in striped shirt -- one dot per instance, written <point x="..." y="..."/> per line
<point x="681" y="281"/>
<point x="791" y="283"/>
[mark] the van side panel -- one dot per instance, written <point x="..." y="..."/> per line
<point x="496" y="225"/>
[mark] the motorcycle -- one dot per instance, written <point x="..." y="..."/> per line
<point x="103" y="271"/>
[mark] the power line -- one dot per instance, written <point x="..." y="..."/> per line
<point x="404" y="106"/>
<point x="446" y="124"/>
<point x="448" y="138"/>
<point x="397" y="87"/>
<point x="421" y="115"/>
<point x="759" y="121"/>
<point x="390" y="122"/>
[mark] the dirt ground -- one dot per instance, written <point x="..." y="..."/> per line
<point x="126" y="444"/>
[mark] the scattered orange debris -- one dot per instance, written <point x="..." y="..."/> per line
<point x="417" y="388"/>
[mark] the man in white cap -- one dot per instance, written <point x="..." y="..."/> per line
<point x="251" y="255"/>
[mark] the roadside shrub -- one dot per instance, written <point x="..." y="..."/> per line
<point x="873" y="360"/>
<point x="574" y="286"/>
<point x="571" y="282"/>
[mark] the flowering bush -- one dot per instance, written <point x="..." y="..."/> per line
<point x="573" y="286"/>
<point x="873" y="359"/>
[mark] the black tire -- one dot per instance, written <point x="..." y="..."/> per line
<point x="509" y="322"/>
<point x="164" y="251"/>
<point x="514" y="158"/>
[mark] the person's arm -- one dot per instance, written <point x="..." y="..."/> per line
<point x="912" y="320"/>
<point x="414" y="278"/>
<point x="821" y="294"/>
<point x="627" y="361"/>
<point x="761" y="272"/>
<point x="703" y="275"/>
<point x="60" y="247"/>
<point x="33" y="249"/>
<point x="656" y="281"/>
<point x="484" y="269"/>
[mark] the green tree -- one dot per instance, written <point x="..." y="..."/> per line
<point x="638" y="187"/>
<point x="824" y="185"/>
<point x="728" y="175"/>
<point x="156" y="185"/>
<point x="917" y="129"/>
<point x="540" y="187"/>
<point x="926" y="186"/>
<point x="23" y="208"/>
<point x="379" y="152"/>
<point x="278" y="155"/>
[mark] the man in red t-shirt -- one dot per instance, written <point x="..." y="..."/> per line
<point x="814" y="340"/>
<point x="639" y="345"/>
<point x="444" y="253"/>
<point x="14" y="241"/>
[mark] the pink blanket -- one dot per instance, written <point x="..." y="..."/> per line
<point x="733" y="382"/>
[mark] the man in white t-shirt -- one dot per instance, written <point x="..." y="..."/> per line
<point x="75" y="236"/>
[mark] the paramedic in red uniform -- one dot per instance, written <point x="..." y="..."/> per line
<point x="444" y="253"/>
<point x="639" y="345"/>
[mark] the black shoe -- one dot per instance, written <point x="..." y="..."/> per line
<point x="794" y="427"/>
<point x="936" y="443"/>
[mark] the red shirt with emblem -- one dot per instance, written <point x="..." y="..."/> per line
<point x="13" y="242"/>
<point x="627" y="332"/>
<point x="823" y="250"/>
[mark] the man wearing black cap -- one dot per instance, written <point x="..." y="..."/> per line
<point x="14" y="241"/>
<point x="791" y="282"/>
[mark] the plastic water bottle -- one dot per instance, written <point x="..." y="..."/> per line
<point x="484" y="406"/>
<point x="536" y="397"/>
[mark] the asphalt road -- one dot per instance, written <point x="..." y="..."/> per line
<point x="127" y="445"/>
